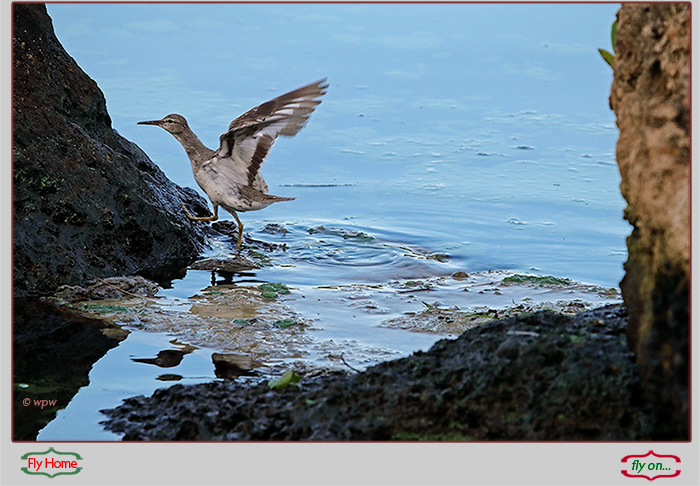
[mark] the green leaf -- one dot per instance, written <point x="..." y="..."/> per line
<point x="613" y="34"/>
<point x="288" y="378"/>
<point x="607" y="56"/>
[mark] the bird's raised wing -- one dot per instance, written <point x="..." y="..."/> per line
<point x="251" y="135"/>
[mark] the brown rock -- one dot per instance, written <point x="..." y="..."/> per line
<point x="651" y="98"/>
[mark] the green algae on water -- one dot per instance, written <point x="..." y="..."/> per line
<point x="542" y="280"/>
<point x="272" y="290"/>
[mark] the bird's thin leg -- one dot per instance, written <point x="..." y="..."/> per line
<point x="240" y="231"/>
<point x="201" y="218"/>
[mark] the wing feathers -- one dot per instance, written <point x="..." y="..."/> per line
<point x="284" y="115"/>
<point x="250" y="136"/>
<point x="264" y="143"/>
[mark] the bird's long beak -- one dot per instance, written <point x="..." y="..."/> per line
<point x="151" y="122"/>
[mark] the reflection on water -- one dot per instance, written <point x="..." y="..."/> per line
<point x="122" y="373"/>
<point x="53" y="352"/>
<point x="243" y="330"/>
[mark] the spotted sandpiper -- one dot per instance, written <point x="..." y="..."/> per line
<point x="230" y="176"/>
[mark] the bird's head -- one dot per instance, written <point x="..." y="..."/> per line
<point x="173" y="123"/>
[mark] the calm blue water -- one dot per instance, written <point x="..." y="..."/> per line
<point x="115" y="377"/>
<point x="479" y="131"/>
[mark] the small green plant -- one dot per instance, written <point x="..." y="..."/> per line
<point x="608" y="56"/>
<point x="288" y="378"/>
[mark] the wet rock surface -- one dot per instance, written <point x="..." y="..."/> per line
<point x="651" y="98"/>
<point x="237" y="264"/>
<point x="108" y="288"/>
<point x="541" y="376"/>
<point x="87" y="202"/>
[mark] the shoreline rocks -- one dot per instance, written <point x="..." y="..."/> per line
<point x="541" y="376"/>
<point x="87" y="202"/>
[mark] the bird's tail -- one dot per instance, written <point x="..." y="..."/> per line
<point x="259" y="200"/>
<point x="278" y="198"/>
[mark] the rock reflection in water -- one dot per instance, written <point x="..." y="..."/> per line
<point x="54" y="350"/>
<point x="232" y="366"/>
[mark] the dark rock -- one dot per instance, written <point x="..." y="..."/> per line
<point x="87" y="202"/>
<point x="108" y="288"/>
<point x="233" y="265"/>
<point x="228" y="228"/>
<point x="542" y="376"/>
<point x="274" y="228"/>
<point x="651" y="98"/>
